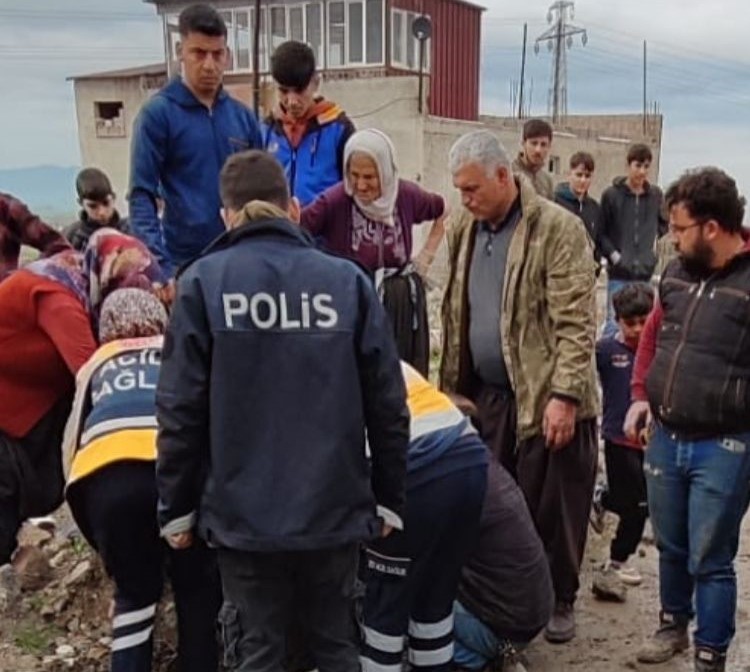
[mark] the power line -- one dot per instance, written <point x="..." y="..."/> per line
<point x="76" y="15"/>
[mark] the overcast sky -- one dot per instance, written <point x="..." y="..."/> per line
<point x="699" y="69"/>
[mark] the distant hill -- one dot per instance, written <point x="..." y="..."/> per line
<point x="49" y="191"/>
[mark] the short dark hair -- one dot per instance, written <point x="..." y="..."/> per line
<point x="582" y="159"/>
<point x="537" y="128"/>
<point x="253" y="175"/>
<point x="708" y="193"/>
<point x="639" y="152"/>
<point x="634" y="300"/>
<point x="202" y="19"/>
<point x="293" y="65"/>
<point x="93" y="184"/>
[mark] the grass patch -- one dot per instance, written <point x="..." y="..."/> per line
<point x="35" y="639"/>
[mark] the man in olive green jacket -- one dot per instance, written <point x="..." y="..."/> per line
<point x="518" y="340"/>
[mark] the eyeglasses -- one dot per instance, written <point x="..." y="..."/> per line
<point x="679" y="230"/>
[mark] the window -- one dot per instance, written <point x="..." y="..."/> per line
<point x="554" y="165"/>
<point x="336" y="34"/>
<point x="243" y="41"/>
<point x="110" y="119"/>
<point x="296" y="24"/>
<point x="351" y="34"/>
<point x="314" y="30"/>
<point x="356" y="32"/>
<point x="278" y="26"/>
<point x="374" y="24"/>
<point x="398" y="37"/>
<point x="405" y="47"/>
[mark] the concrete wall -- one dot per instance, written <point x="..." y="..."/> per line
<point x="390" y="104"/>
<point x="110" y="154"/>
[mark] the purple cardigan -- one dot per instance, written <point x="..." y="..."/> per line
<point x="345" y="230"/>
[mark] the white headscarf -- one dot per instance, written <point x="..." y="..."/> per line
<point x="378" y="146"/>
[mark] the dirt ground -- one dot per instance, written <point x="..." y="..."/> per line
<point x="610" y="634"/>
<point x="38" y="624"/>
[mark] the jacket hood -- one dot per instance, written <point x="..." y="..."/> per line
<point x="323" y="111"/>
<point x="178" y="91"/>
<point x="564" y="191"/>
<point x="622" y="184"/>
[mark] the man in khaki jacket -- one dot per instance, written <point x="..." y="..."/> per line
<point x="532" y="159"/>
<point x="519" y="332"/>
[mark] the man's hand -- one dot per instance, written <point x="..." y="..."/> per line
<point x="559" y="423"/>
<point x="180" y="541"/>
<point x="638" y="417"/>
<point x="387" y="529"/>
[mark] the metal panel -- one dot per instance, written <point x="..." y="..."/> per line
<point x="454" y="80"/>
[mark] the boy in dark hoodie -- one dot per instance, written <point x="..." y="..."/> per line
<point x="632" y="220"/>
<point x="573" y="195"/>
<point x="306" y="132"/>
<point x="97" y="201"/>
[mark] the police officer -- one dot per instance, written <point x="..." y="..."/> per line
<point x="277" y="360"/>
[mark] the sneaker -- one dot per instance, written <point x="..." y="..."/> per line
<point x="628" y="574"/>
<point x="607" y="585"/>
<point x="709" y="660"/>
<point x="596" y="517"/>
<point x="670" y="639"/>
<point x="562" y="626"/>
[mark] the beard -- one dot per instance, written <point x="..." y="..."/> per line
<point x="699" y="261"/>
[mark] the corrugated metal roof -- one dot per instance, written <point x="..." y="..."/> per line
<point x="138" y="71"/>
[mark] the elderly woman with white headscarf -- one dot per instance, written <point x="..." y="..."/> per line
<point x="369" y="218"/>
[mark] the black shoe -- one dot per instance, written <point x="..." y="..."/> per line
<point x="709" y="660"/>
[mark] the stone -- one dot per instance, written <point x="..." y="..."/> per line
<point x="65" y="651"/>
<point x="10" y="588"/>
<point x="79" y="574"/>
<point x="32" y="568"/>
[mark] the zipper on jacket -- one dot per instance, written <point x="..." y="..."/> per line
<point x="636" y="225"/>
<point x="292" y="169"/>
<point x="678" y="351"/>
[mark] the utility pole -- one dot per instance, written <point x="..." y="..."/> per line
<point x="559" y="38"/>
<point x="523" y="71"/>
<point x="256" y="59"/>
<point x="645" y="89"/>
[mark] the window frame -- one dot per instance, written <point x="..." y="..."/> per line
<point x="347" y="64"/>
<point x="322" y="53"/>
<point x="407" y="39"/>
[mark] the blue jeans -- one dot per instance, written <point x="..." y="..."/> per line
<point x="610" y="326"/>
<point x="697" y="495"/>
<point x="475" y="645"/>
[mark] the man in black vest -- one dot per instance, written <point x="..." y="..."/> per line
<point x="691" y="374"/>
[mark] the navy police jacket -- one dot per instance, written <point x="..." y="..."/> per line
<point x="278" y="359"/>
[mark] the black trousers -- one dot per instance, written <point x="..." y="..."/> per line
<point x="558" y="486"/>
<point x="266" y="594"/>
<point x="626" y="496"/>
<point x="412" y="576"/>
<point x="405" y="302"/>
<point x="31" y="475"/>
<point x="115" y="509"/>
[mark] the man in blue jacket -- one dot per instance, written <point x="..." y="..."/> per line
<point x="278" y="359"/>
<point x="181" y="139"/>
<point x="306" y="132"/>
